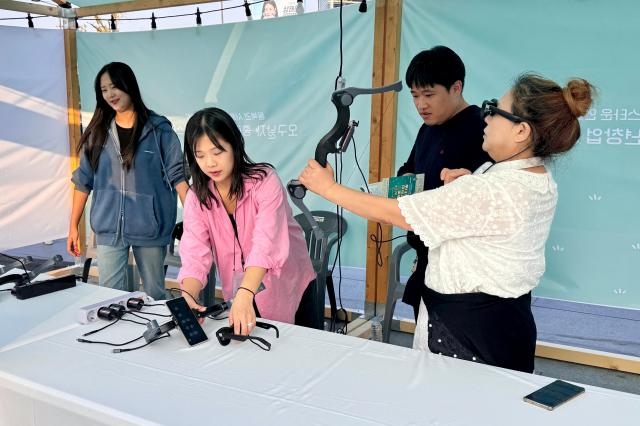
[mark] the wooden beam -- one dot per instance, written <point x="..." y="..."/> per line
<point x="134" y="5"/>
<point x="582" y="356"/>
<point x="360" y="327"/>
<point x="386" y="64"/>
<point x="36" y="9"/>
<point x="73" y="115"/>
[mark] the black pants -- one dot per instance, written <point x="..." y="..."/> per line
<point x="413" y="288"/>
<point x="483" y="328"/>
<point x="307" y="314"/>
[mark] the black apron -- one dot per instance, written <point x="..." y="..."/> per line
<point x="483" y="328"/>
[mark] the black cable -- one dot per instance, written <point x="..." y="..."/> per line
<point x="184" y="291"/>
<point x="378" y="235"/>
<point x="21" y="263"/>
<point x="340" y="213"/>
<point x="355" y="155"/>
<point x="506" y="159"/>
<point x="24" y="17"/>
<point x="117" y="351"/>
<point x="344" y="311"/>
<point x="135" y="322"/>
<point x="111" y="323"/>
<point x="109" y="343"/>
<point x="101" y="328"/>
<point x="7" y="289"/>
<point x="378" y="241"/>
<point x="338" y="258"/>
<point x="135" y="314"/>
<point x="138" y="313"/>
<point x="332" y="320"/>
<point x="373" y="238"/>
<point x="335" y="86"/>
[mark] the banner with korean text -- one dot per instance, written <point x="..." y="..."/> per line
<point x="593" y="252"/>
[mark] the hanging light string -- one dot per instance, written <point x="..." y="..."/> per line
<point x="178" y="15"/>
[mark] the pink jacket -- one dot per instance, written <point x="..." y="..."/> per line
<point x="269" y="237"/>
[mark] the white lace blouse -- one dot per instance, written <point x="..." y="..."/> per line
<point x="485" y="232"/>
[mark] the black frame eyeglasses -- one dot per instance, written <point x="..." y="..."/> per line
<point x="490" y="108"/>
<point x="225" y="335"/>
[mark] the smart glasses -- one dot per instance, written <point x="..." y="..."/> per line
<point x="225" y="335"/>
<point x="490" y="108"/>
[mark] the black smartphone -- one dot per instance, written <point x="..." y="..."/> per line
<point x="186" y="320"/>
<point x="554" y="394"/>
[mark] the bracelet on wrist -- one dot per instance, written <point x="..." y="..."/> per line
<point x="249" y="290"/>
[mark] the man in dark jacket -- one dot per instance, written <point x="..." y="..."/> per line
<point x="451" y="137"/>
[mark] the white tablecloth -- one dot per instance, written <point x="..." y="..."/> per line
<point x="23" y="321"/>
<point x="308" y="378"/>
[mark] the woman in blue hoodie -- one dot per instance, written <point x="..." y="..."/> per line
<point x="132" y="161"/>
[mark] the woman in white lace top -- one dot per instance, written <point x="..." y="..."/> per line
<point x="486" y="231"/>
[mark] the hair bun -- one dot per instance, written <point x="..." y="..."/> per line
<point x="578" y="95"/>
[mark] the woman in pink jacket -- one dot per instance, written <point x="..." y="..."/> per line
<point x="236" y="215"/>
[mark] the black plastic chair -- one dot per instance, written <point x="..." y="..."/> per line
<point x="85" y="270"/>
<point x="395" y="288"/>
<point x="319" y="250"/>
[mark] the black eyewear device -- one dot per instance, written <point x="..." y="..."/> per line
<point x="490" y="108"/>
<point x="225" y="335"/>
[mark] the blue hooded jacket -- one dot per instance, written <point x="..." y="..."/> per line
<point x="140" y="203"/>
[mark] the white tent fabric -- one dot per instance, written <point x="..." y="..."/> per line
<point x="35" y="189"/>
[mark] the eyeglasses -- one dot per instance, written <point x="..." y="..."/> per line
<point x="490" y="108"/>
<point x="225" y="335"/>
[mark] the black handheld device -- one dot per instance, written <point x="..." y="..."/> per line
<point x="186" y="321"/>
<point x="554" y="394"/>
<point x="213" y="310"/>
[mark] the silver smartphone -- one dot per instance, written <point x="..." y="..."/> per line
<point x="554" y="394"/>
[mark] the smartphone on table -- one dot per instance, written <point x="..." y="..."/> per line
<point x="554" y="394"/>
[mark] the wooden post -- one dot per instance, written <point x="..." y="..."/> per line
<point x="386" y="63"/>
<point x="73" y="112"/>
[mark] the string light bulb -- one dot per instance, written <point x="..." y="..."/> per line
<point x="29" y="20"/>
<point x="247" y="11"/>
<point x="198" y="17"/>
<point x="300" y="7"/>
<point x="363" y="6"/>
<point x="113" y="23"/>
<point x="153" y="21"/>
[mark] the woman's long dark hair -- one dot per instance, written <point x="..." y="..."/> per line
<point x="95" y="135"/>
<point x="217" y="124"/>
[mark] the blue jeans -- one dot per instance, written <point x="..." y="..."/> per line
<point x="113" y="262"/>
